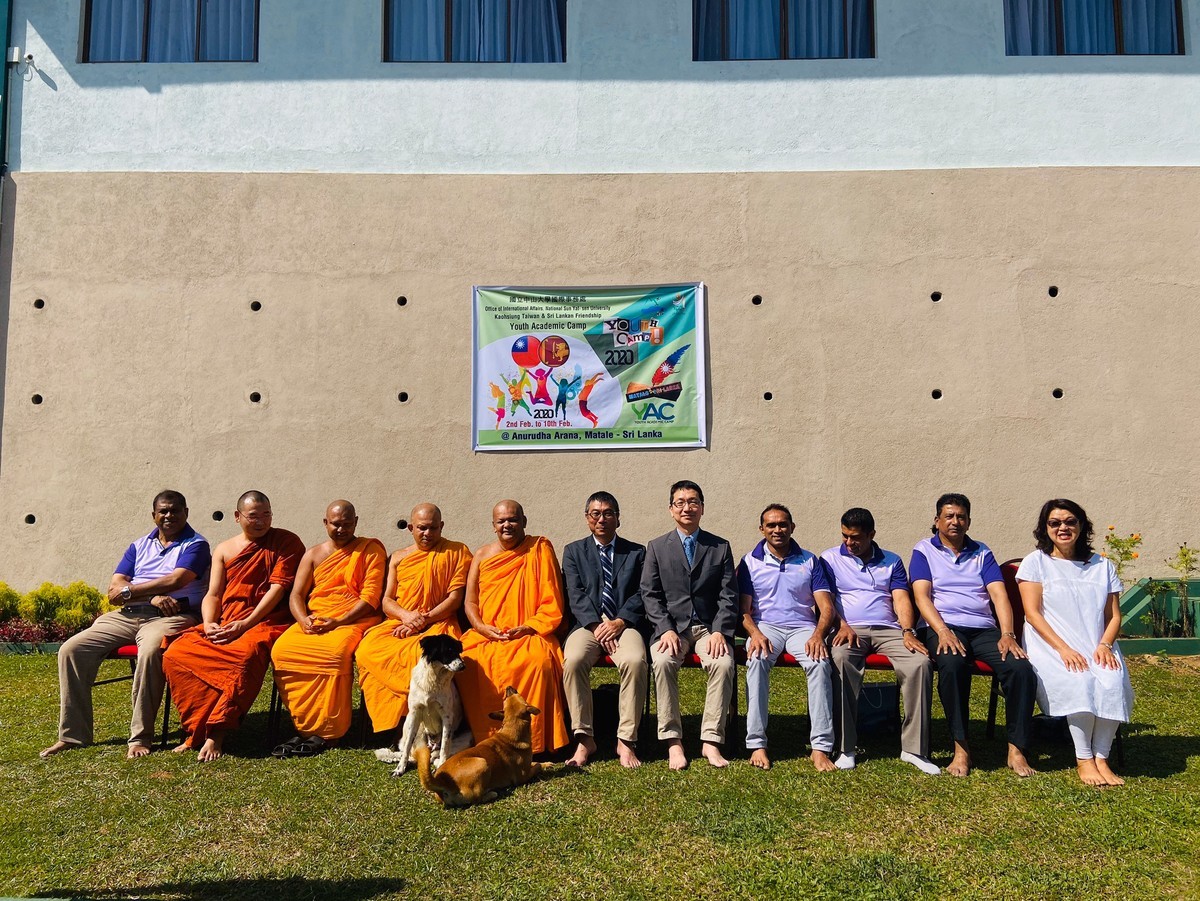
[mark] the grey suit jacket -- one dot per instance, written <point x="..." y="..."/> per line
<point x="581" y="573"/>
<point x="674" y="594"/>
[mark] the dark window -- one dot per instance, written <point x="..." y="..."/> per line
<point x="783" y="29"/>
<point x="1092" y="27"/>
<point x="170" y="31"/>
<point x="475" y="31"/>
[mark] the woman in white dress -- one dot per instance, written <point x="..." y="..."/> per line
<point x="1070" y="595"/>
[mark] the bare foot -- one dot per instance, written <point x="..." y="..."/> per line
<point x="585" y="749"/>
<point x="57" y="748"/>
<point x="760" y="759"/>
<point x="712" y="753"/>
<point x="212" y="748"/>
<point x="1018" y="764"/>
<point x="1089" y="773"/>
<point x="136" y="750"/>
<point x="822" y="762"/>
<point x="626" y="755"/>
<point x="961" y="764"/>
<point x="676" y="759"/>
<point x="1110" y="778"/>
<point x="183" y="747"/>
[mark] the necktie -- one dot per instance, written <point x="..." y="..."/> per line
<point x="608" y="606"/>
<point x="689" y="548"/>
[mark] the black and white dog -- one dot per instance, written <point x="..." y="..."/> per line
<point x="434" y="708"/>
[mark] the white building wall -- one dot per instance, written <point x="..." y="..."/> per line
<point x="939" y="94"/>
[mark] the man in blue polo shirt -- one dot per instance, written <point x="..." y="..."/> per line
<point x="786" y="606"/>
<point x="871" y="590"/>
<point x="960" y="592"/>
<point x="158" y="586"/>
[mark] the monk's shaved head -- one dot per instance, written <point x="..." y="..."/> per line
<point x="508" y="522"/>
<point x="512" y="505"/>
<point x="426" y="511"/>
<point x="340" y="506"/>
<point x="252" y="497"/>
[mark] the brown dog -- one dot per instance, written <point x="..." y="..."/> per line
<point x="505" y="759"/>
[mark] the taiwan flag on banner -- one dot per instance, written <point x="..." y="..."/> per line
<point x="525" y="351"/>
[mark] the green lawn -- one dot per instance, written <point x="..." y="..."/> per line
<point x="91" y="824"/>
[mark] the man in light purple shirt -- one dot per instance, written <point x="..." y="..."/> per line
<point x="158" y="586"/>
<point x="871" y="593"/>
<point x="960" y="592"/>
<point x="786" y="606"/>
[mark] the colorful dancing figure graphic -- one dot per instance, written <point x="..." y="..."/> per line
<point x="567" y="391"/>
<point x="516" y="390"/>
<point x="542" y="394"/>
<point x="583" y="398"/>
<point x="498" y="397"/>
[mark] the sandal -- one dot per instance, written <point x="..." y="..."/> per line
<point x="287" y="748"/>
<point x="311" y="746"/>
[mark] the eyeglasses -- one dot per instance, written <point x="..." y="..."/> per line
<point x="691" y="504"/>
<point x="1057" y="523"/>
<point x="597" y="515"/>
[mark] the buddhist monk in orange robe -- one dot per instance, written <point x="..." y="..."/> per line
<point x="335" y="599"/>
<point x="515" y="603"/>
<point x="215" y="670"/>
<point x="425" y="588"/>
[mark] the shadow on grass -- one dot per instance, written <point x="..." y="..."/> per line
<point x="295" y="888"/>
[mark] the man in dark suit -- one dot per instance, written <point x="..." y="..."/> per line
<point x="691" y="598"/>
<point x="603" y="574"/>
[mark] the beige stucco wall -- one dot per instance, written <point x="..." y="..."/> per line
<point x="147" y="350"/>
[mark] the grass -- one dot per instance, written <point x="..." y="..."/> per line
<point x="91" y="824"/>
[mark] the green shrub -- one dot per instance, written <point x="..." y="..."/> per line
<point x="41" y="604"/>
<point x="88" y="600"/>
<point x="10" y="603"/>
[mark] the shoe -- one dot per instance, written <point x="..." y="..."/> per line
<point x="312" y="746"/>
<point x="287" y="748"/>
<point x="924" y="764"/>
<point x="844" y="762"/>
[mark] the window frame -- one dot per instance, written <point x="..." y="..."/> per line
<point x="448" y="39"/>
<point x="1060" y="36"/>
<point x="86" y="42"/>
<point x="783" y="36"/>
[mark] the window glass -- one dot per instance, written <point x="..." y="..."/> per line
<point x="1090" y="27"/>
<point x="783" y="29"/>
<point x="475" y="31"/>
<point x="171" y="31"/>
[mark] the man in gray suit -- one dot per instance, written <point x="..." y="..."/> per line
<point x="602" y="574"/>
<point x="691" y="598"/>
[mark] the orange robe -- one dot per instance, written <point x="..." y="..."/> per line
<point x="385" y="662"/>
<point x="214" y="685"/>
<point x="518" y="587"/>
<point x="315" y="673"/>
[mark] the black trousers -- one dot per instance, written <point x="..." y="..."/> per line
<point x="1017" y="679"/>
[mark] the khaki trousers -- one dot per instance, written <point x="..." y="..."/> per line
<point x="722" y="676"/>
<point x="79" y="660"/>
<point x="914" y="673"/>
<point x="580" y="654"/>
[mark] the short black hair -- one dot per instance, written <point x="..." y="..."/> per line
<point x="686" y="485"/>
<point x="171" y="497"/>
<point x="952" y="499"/>
<point x="762" y="517"/>
<point x="252" y="497"/>
<point x="859" y="518"/>
<point x="1083" y="544"/>
<point x="602" y="497"/>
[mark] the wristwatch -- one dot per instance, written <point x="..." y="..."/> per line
<point x="126" y="594"/>
<point x="912" y="632"/>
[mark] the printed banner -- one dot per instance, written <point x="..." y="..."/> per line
<point x="588" y="368"/>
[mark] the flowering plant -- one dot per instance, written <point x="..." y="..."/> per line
<point x="1121" y="551"/>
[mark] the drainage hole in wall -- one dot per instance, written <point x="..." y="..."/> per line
<point x="936" y="393"/>
<point x="1053" y="291"/>
<point x="1057" y="393"/>
<point x="401" y="301"/>
<point x="255" y="305"/>
<point x="402" y="397"/>
<point x="30" y="519"/>
<point x="39" y="304"/>
<point x="767" y="395"/>
<point x="935" y="296"/>
<point x="255" y="397"/>
<point x="37" y="398"/>
<point x="218" y="516"/>
<point x="756" y="300"/>
<point x="402" y="524"/>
